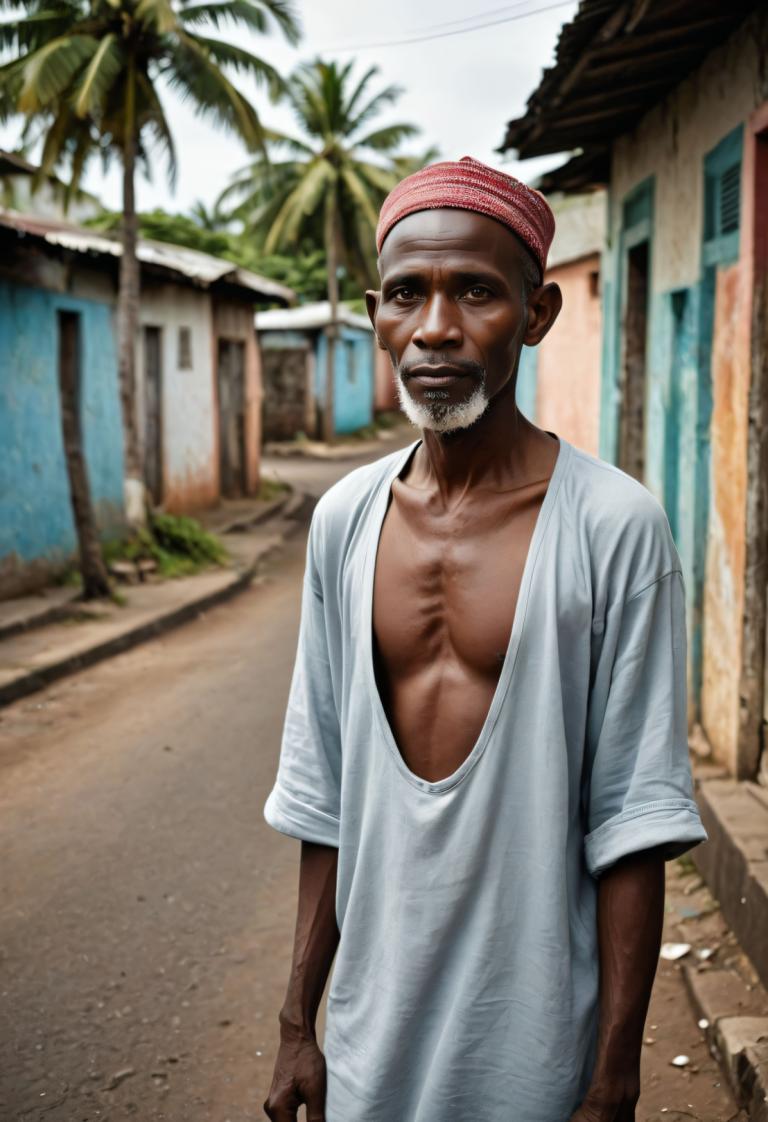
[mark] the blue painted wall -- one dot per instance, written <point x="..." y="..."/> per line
<point x="35" y="511"/>
<point x="354" y="378"/>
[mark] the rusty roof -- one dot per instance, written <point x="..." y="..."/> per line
<point x="199" y="268"/>
<point x="613" y="62"/>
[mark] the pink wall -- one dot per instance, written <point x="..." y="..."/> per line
<point x="568" y="368"/>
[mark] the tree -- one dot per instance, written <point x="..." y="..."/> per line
<point x="331" y="187"/>
<point x="88" y="78"/>
<point x="92" y="567"/>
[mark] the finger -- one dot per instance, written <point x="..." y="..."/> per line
<point x="316" y="1104"/>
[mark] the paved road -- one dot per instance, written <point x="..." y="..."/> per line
<point x="147" y="909"/>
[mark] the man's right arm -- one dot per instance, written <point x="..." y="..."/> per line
<point x="299" y="1075"/>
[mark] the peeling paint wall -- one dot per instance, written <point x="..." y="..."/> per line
<point x="37" y="532"/>
<point x="233" y="319"/>
<point x="190" y="474"/>
<point x="694" y="354"/>
<point x="353" y="372"/>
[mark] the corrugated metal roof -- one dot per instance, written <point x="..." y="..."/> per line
<point x="308" y="317"/>
<point x="614" y="61"/>
<point x="200" y="268"/>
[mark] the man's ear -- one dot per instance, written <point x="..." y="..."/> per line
<point x="372" y="304"/>
<point x="544" y="305"/>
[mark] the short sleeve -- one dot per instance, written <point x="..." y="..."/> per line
<point x="304" y="802"/>
<point x="639" y="791"/>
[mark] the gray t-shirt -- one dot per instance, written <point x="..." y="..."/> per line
<point x="466" y="979"/>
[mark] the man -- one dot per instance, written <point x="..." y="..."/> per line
<point x="485" y="750"/>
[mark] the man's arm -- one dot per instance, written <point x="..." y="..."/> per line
<point x="630" y="915"/>
<point x="299" y="1075"/>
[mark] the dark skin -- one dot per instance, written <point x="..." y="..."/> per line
<point x="453" y="313"/>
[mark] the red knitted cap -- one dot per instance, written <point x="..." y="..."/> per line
<point x="469" y="185"/>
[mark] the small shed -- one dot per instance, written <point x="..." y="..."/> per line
<point x="294" y="349"/>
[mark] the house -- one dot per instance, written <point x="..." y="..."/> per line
<point x="668" y="107"/>
<point x="294" y="348"/>
<point x="198" y="391"/>
<point x="558" y="382"/>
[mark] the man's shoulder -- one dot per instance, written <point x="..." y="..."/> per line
<point x="624" y="527"/>
<point x="605" y="492"/>
<point x="341" y="507"/>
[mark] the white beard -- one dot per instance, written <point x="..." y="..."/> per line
<point x="438" y="416"/>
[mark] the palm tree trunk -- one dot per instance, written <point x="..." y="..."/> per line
<point x="92" y="567"/>
<point x="128" y="318"/>
<point x="332" y="261"/>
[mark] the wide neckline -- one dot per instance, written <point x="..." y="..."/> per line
<point x="378" y="514"/>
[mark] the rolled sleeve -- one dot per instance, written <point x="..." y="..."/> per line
<point x="640" y="788"/>
<point x="672" y="824"/>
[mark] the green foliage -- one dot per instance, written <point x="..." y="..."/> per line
<point x="86" y="74"/>
<point x="271" y="489"/>
<point x="179" y="229"/>
<point x="177" y="543"/>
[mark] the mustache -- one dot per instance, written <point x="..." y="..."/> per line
<point x="463" y="365"/>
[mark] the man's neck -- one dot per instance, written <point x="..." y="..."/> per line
<point x="500" y="451"/>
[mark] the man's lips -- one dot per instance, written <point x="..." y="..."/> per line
<point x="436" y="375"/>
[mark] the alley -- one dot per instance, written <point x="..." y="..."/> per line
<point x="147" y="909"/>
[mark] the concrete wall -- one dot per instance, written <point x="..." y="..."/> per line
<point x="190" y="468"/>
<point x="233" y="319"/>
<point x="353" y="387"/>
<point x="568" y="367"/>
<point x="698" y="357"/>
<point x="289" y="385"/>
<point x="37" y="533"/>
<point x="558" y="382"/>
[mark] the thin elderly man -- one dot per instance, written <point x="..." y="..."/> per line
<point x="485" y="752"/>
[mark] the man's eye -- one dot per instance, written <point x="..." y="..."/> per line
<point x="403" y="293"/>
<point x="479" y="292"/>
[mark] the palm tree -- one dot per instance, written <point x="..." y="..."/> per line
<point x="88" y="78"/>
<point x="331" y="186"/>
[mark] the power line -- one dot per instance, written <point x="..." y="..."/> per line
<point x="429" y="28"/>
<point x="443" y="34"/>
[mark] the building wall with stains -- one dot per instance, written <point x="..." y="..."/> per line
<point x="183" y="315"/>
<point x="233" y="319"/>
<point x="37" y="532"/>
<point x="558" y="382"/>
<point x="568" y="364"/>
<point x="697" y="347"/>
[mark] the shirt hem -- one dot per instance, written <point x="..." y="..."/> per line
<point x="289" y="815"/>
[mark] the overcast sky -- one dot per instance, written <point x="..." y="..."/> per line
<point x="460" y="89"/>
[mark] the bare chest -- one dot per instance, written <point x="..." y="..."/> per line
<point x="445" y="596"/>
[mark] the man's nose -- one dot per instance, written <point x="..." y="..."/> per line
<point x="438" y="325"/>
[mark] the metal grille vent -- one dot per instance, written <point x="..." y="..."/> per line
<point x="730" y="199"/>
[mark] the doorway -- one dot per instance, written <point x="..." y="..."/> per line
<point x="633" y="369"/>
<point x="153" y="413"/>
<point x="674" y="412"/>
<point x="230" y="381"/>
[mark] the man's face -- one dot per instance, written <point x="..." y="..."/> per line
<point x="452" y="312"/>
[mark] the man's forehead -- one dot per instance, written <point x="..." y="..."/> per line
<point x="452" y="233"/>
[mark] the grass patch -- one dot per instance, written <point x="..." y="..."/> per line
<point x="177" y="544"/>
<point x="271" y="489"/>
<point x="686" y="864"/>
